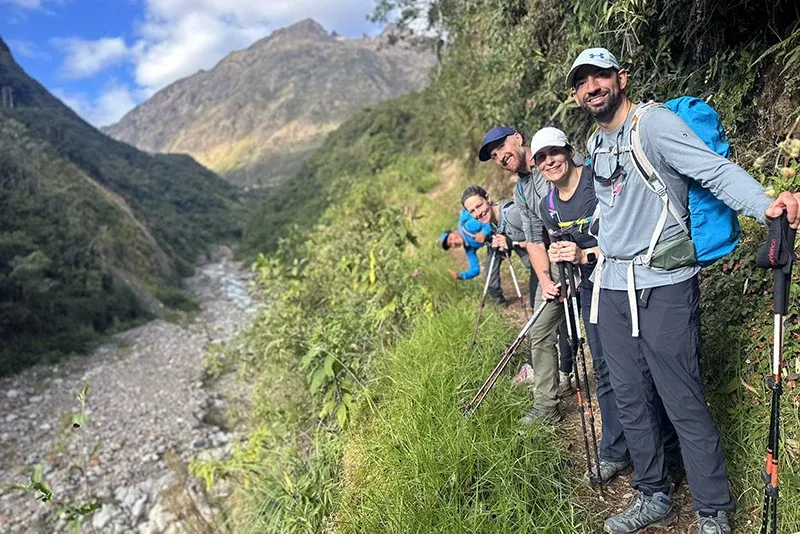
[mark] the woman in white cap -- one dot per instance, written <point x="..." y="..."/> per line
<point x="569" y="215"/>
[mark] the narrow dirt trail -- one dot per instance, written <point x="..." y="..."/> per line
<point x="149" y="411"/>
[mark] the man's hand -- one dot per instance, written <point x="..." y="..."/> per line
<point x="479" y="236"/>
<point x="499" y="242"/>
<point x="788" y="202"/>
<point x="550" y="290"/>
<point x="565" y="251"/>
<point x="453" y="274"/>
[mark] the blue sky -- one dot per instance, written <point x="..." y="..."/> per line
<point x="102" y="57"/>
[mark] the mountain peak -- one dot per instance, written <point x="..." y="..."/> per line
<point x="261" y="111"/>
<point x="4" y="47"/>
<point x="306" y="28"/>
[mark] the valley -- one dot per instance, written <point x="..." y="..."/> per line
<point x="150" y="408"/>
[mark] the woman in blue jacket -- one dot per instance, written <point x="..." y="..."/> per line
<point x="472" y="235"/>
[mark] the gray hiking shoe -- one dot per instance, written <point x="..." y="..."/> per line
<point x="645" y="512"/>
<point x="533" y="415"/>
<point x="608" y="470"/>
<point x="714" y="525"/>
<point x="565" y="385"/>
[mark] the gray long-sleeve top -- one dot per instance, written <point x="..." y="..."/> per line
<point x="678" y="155"/>
<point x="528" y="194"/>
<point x="510" y="224"/>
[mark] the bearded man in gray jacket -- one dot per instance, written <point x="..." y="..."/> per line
<point x="651" y="333"/>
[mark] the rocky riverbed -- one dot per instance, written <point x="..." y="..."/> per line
<point x="148" y="412"/>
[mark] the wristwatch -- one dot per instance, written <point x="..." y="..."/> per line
<point x="591" y="257"/>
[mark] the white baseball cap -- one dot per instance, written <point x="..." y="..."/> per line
<point x="599" y="57"/>
<point x="546" y="137"/>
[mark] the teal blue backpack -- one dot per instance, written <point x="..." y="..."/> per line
<point x="714" y="227"/>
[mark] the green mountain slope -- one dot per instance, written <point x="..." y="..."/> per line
<point x="91" y="228"/>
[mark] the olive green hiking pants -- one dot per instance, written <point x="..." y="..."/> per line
<point x="543" y="338"/>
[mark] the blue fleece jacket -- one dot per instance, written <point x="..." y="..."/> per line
<point x="467" y="227"/>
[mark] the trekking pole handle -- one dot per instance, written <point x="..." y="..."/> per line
<point x="783" y="279"/>
<point x="777" y="253"/>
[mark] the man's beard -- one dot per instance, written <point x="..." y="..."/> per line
<point x="606" y="112"/>
<point x="521" y="160"/>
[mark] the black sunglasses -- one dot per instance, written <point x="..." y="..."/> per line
<point x="618" y="173"/>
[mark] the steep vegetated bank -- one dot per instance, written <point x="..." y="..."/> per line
<point x="365" y="144"/>
<point x="95" y="234"/>
<point x="344" y="293"/>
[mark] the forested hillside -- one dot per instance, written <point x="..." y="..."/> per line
<point x="363" y="352"/>
<point x="94" y="231"/>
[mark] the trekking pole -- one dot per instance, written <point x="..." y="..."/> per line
<point x="489" y="383"/>
<point x="578" y="344"/>
<point x="776" y="254"/>
<point x="483" y="297"/>
<point x="574" y="338"/>
<point x="516" y="287"/>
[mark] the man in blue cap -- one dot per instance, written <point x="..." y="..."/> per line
<point x="646" y="299"/>
<point x="505" y="146"/>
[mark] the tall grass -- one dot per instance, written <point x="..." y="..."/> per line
<point x="413" y="462"/>
<point x="737" y="359"/>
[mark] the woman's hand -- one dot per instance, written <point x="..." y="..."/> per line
<point x="565" y="251"/>
<point x="499" y="242"/>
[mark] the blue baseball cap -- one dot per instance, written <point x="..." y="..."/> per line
<point x="443" y="239"/>
<point x="495" y="134"/>
<point x="599" y="57"/>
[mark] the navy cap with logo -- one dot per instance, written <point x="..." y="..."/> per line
<point x="443" y="239"/>
<point x="495" y="134"/>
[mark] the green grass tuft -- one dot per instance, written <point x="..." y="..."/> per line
<point x="420" y="465"/>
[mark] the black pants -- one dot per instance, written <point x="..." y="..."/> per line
<point x="662" y="364"/>
<point x="613" y="446"/>
<point x="494" y="290"/>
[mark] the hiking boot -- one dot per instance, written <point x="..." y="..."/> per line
<point x="644" y="513"/>
<point x="714" y="525"/>
<point x="565" y="386"/>
<point x="533" y="415"/>
<point x="525" y="375"/>
<point x="608" y="470"/>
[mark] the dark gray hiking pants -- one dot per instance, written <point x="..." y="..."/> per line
<point x="664" y="362"/>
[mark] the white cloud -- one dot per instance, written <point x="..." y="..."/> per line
<point x="28" y="49"/>
<point x="179" y="37"/>
<point x="114" y="101"/>
<point x="25" y="4"/>
<point x="85" y="58"/>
